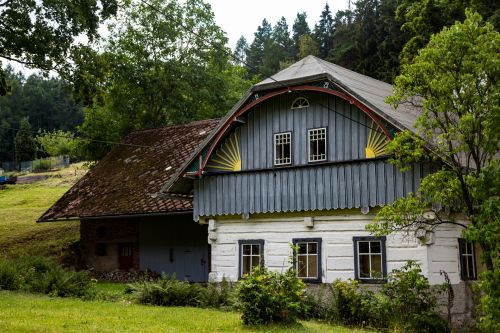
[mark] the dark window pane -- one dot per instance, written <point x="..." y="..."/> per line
<point x="246" y="249"/>
<point x="255" y="249"/>
<point x="364" y="247"/>
<point x="255" y="261"/>
<point x="313" y="266"/>
<point x="376" y="268"/>
<point x="302" y="248"/>
<point x="470" y="262"/>
<point x="313" y="248"/>
<point x="245" y="266"/>
<point x="301" y="266"/>
<point x="364" y="266"/>
<point x="375" y="247"/>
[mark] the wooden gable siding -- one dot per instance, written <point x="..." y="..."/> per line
<point x="367" y="183"/>
<point x="346" y="138"/>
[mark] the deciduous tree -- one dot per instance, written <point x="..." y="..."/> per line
<point x="455" y="80"/>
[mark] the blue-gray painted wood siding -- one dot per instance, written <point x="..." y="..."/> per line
<point x="337" y="186"/>
<point x="346" y="138"/>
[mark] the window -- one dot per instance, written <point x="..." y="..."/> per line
<point x="251" y="255"/>
<point x="467" y="260"/>
<point x="283" y="148"/>
<point x="299" y="103"/>
<point x="307" y="259"/>
<point x="369" y="258"/>
<point x="317" y="144"/>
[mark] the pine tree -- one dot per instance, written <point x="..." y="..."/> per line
<point x="25" y="145"/>
<point x="241" y="49"/>
<point x="323" y="32"/>
<point x="255" y="52"/>
<point x="299" y="29"/>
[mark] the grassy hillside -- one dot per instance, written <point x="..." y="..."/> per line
<point x="19" y="311"/>
<point x="22" y="204"/>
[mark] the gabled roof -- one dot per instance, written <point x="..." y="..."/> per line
<point x="125" y="181"/>
<point x="368" y="91"/>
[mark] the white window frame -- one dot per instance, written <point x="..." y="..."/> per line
<point x="316" y="131"/>
<point x="307" y="256"/>
<point x="357" y="262"/>
<point x="260" y="255"/>
<point x="275" y="137"/>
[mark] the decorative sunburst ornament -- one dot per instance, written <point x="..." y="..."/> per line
<point x="377" y="142"/>
<point x="227" y="157"/>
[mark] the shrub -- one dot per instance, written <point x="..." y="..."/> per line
<point x="220" y="295"/>
<point x="412" y="301"/>
<point x="42" y="165"/>
<point x="166" y="291"/>
<point x="40" y="275"/>
<point x="352" y="305"/>
<point x="269" y="297"/>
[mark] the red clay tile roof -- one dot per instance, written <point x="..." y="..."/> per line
<point x="123" y="181"/>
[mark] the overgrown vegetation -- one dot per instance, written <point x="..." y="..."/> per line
<point x="168" y="291"/>
<point x="41" y="275"/>
<point x="406" y="303"/>
<point x="270" y="297"/>
<point x="456" y="80"/>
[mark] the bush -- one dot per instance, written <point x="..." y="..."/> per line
<point x="412" y="301"/>
<point x="168" y="291"/>
<point x="40" y="275"/>
<point x="219" y="295"/>
<point x="269" y="297"/>
<point x="354" y="306"/>
<point x="42" y="165"/>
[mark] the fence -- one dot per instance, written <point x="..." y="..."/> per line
<point x="29" y="166"/>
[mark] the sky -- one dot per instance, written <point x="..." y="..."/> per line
<point x="242" y="17"/>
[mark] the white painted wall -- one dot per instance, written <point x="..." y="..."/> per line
<point x="336" y="232"/>
<point x="444" y="255"/>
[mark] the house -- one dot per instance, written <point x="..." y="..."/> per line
<point x="122" y="224"/>
<point x="301" y="159"/>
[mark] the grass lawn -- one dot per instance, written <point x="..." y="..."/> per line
<point x="22" y="205"/>
<point x="33" y="313"/>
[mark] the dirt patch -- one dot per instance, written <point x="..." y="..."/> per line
<point x="31" y="179"/>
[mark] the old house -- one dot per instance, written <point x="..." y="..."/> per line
<point x="300" y="159"/>
<point x="123" y="225"/>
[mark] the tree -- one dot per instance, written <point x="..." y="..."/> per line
<point x="278" y="49"/>
<point x="454" y="79"/>
<point x="155" y="71"/>
<point x="255" y="53"/>
<point x="307" y="46"/>
<point x="299" y="29"/>
<point x="422" y="18"/>
<point x="24" y="142"/>
<point x="323" y="32"/>
<point x="240" y="51"/>
<point x="56" y="143"/>
<point x="40" y="34"/>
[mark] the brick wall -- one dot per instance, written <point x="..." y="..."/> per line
<point x="101" y="239"/>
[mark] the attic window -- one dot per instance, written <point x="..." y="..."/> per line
<point x="299" y="103"/>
